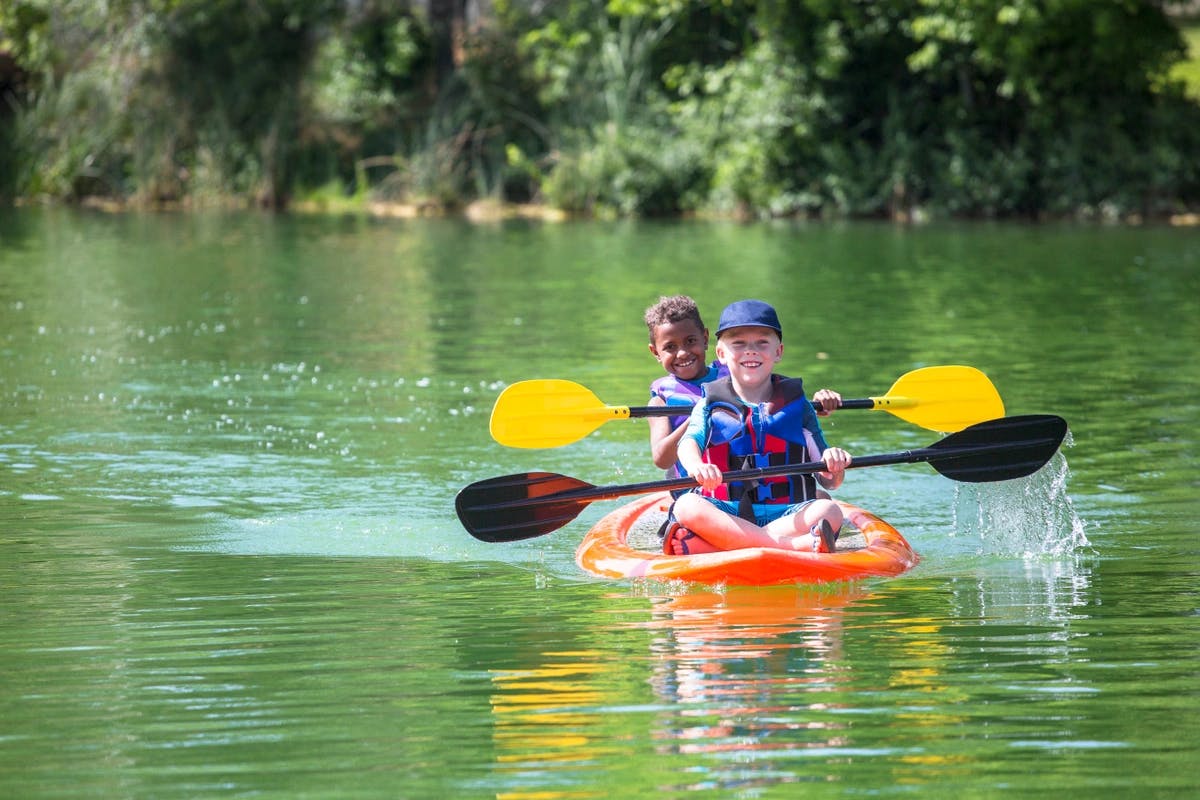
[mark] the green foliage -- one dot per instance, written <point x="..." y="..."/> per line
<point x="638" y="171"/>
<point x="239" y="72"/>
<point x="593" y="63"/>
<point x="25" y="34"/>
<point x="73" y="132"/>
<point x="1188" y="71"/>
<point x="761" y="108"/>
<point x="754" y="117"/>
<point x="363" y="92"/>
<point x="1048" y="102"/>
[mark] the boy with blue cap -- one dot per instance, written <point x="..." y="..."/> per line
<point x="755" y="418"/>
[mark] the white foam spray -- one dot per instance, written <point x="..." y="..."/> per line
<point x="1029" y="516"/>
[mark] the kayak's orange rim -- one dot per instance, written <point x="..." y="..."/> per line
<point x="605" y="553"/>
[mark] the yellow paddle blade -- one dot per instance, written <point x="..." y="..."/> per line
<point x="548" y="413"/>
<point x="945" y="399"/>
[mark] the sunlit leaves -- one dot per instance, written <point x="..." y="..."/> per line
<point x="765" y="107"/>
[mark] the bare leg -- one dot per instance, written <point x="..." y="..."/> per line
<point x="727" y="532"/>
<point x="721" y="531"/>
<point x="792" y="531"/>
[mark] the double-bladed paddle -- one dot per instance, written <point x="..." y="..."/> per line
<point x="552" y="413"/>
<point x="530" y="504"/>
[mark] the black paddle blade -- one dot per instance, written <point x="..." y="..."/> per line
<point x="999" y="449"/>
<point x="499" y="509"/>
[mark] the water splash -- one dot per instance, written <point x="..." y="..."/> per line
<point x="1030" y="516"/>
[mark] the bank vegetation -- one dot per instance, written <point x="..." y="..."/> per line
<point x="754" y="108"/>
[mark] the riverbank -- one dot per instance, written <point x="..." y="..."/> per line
<point x="489" y="211"/>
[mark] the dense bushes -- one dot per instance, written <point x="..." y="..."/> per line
<point x="629" y="107"/>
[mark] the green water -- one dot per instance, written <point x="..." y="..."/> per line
<point x="229" y="564"/>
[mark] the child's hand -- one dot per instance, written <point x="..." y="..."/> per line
<point x="708" y="476"/>
<point x="826" y="401"/>
<point x="836" y="460"/>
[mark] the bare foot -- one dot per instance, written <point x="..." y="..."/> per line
<point x="679" y="541"/>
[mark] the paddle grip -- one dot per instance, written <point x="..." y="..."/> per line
<point x="682" y="410"/>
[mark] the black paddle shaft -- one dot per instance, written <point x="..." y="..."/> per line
<point x="525" y="505"/>
<point x="682" y="410"/>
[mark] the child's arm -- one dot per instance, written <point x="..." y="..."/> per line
<point x="708" y="475"/>
<point x="664" y="440"/>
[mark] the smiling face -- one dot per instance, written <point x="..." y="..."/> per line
<point x="750" y="353"/>
<point x="681" y="347"/>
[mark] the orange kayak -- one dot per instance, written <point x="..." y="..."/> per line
<point x="606" y="551"/>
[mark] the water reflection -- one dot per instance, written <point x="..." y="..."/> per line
<point x="747" y="671"/>
<point x="748" y="688"/>
<point x="728" y="674"/>
<point x="547" y="718"/>
<point x="786" y="685"/>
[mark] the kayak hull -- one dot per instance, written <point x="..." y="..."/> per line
<point x="606" y="552"/>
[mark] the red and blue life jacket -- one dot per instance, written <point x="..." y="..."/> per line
<point x="784" y="430"/>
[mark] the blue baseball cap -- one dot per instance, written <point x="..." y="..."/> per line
<point x="749" y="312"/>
